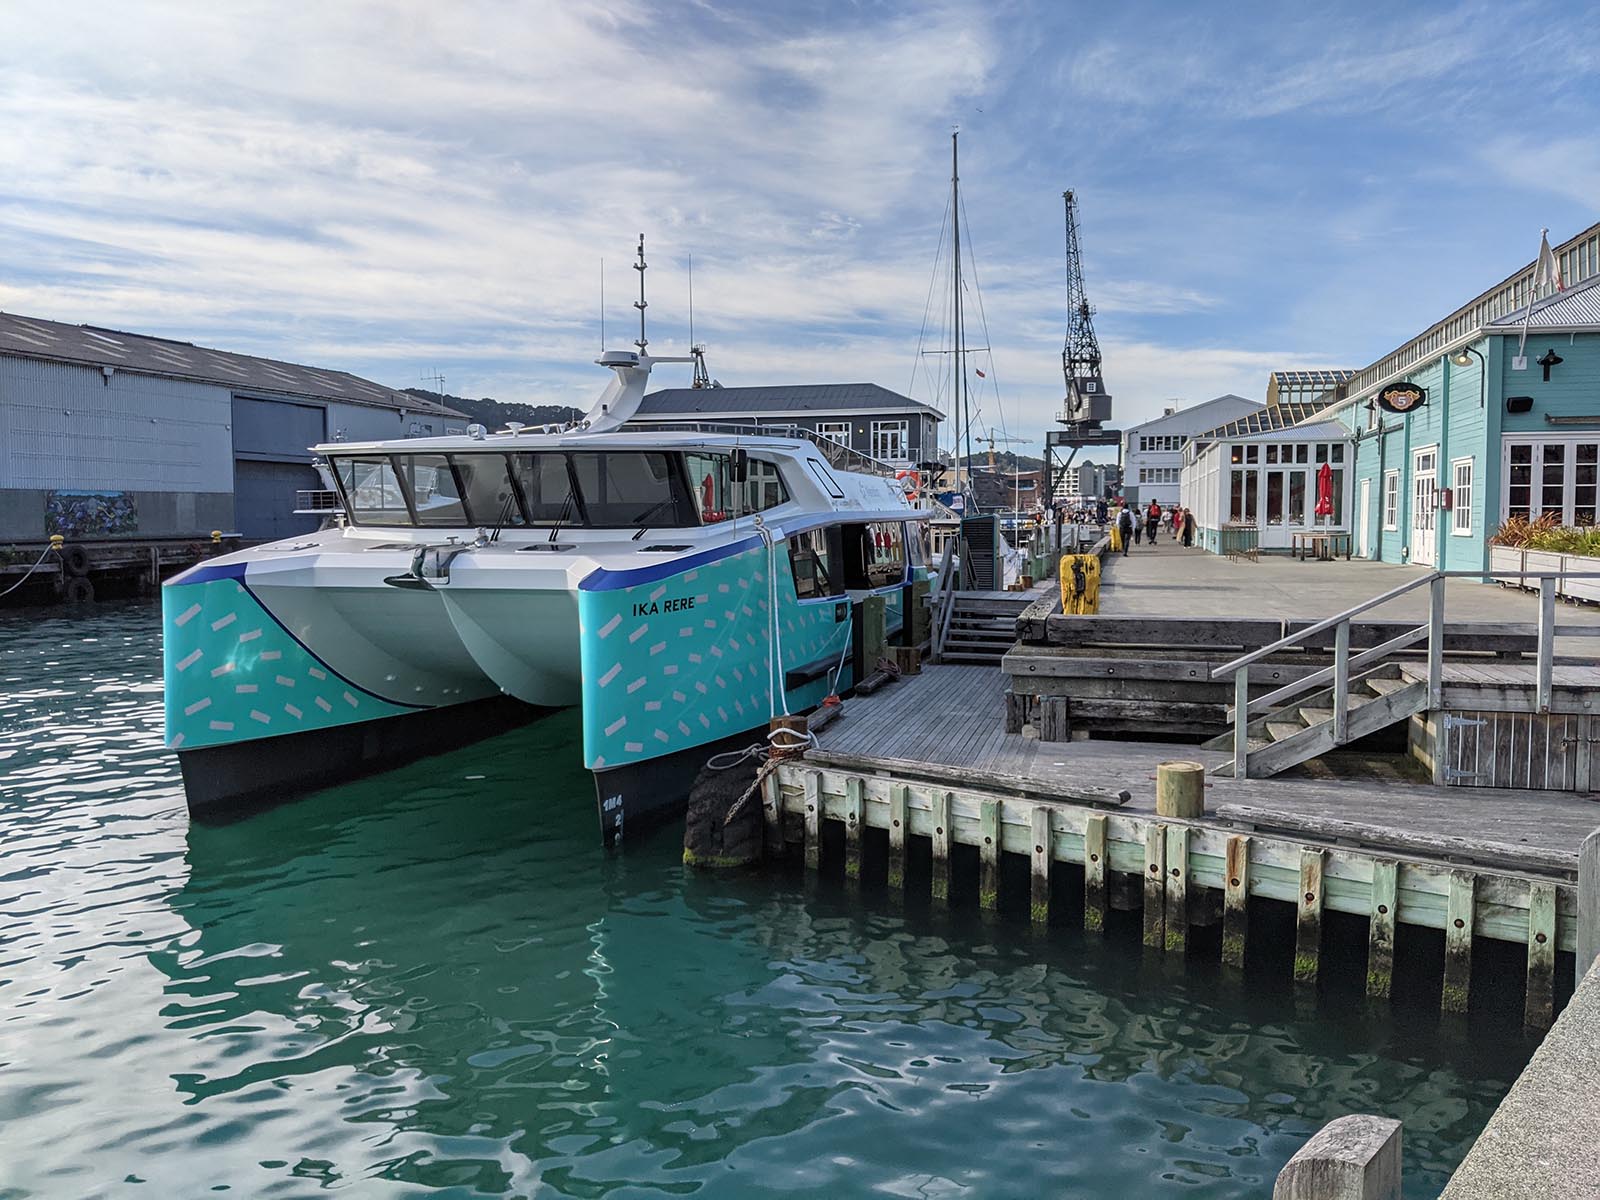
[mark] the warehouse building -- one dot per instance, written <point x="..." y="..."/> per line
<point x="113" y="435"/>
<point x="869" y="419"/>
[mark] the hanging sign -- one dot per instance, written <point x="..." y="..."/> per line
<point x="1403" y="397"/>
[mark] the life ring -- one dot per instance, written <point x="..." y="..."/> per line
<point x="911" y="481"/>
<point x="79" y="590"/>
<point x="74" y="560"/>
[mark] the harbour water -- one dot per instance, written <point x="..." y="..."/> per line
<point x="435" y="982"/>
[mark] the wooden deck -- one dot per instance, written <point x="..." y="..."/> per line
<point x="950" y="716"/>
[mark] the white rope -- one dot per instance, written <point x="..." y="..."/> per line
<point x="26" y="576"/>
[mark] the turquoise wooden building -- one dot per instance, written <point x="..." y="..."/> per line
<point x="1447" y="435"/>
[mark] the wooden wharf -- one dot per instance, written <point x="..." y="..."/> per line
<point x="930" y="758"/>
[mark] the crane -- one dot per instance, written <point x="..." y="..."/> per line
<point x="992" y="441"/>
<point x="1086" y="401"/>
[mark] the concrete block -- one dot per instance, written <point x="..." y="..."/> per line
<point x="1352" y="1158"/>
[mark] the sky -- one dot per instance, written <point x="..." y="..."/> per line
<point x="410" y="188"/>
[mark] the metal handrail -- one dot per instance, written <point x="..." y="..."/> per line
<point x="837" y="454"/>
<point x="1432" y="629"/>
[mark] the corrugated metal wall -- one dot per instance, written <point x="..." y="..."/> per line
<point x="71" y="427"/>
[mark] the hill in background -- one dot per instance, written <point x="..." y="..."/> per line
<point x="495" y="413"/>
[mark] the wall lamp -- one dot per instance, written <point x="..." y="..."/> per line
<point x="1463" y="358"/>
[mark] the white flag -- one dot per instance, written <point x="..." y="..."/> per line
<point x="1546" y="274"/>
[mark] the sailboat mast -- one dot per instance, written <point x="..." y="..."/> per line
<point x="958" y="322"/>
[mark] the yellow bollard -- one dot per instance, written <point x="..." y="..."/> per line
<point x="1080" y="584"/>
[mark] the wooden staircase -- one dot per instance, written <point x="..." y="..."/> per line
<point x="1305" y="728"/>
<point x="982" y="626"/>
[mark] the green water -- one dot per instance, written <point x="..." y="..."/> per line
<point x="434" y="982"/>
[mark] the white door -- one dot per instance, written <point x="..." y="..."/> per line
<point x="1364" y="530"/>
<point x="1424" y="486"/>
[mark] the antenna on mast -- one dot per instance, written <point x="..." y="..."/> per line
<point x="641" y="266"/>
<point x="602" y="305"/>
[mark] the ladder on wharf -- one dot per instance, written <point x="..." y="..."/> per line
<point x="895" y="763"/>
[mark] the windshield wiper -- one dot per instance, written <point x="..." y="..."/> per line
<point x="647" y="514"/>
<point x="505" y="515"/>
<point x="561" y="519"/>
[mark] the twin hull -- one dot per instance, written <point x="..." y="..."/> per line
<point x="665" y="660"/>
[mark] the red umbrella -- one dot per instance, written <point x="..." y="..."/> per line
<point x="1324" y="491"/>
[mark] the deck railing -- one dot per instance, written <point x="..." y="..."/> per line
<point x="836" y="454"/>
<point x="1431" y="631"/>
<point x="316" y="500"/>
<point x="1240" y="542"/>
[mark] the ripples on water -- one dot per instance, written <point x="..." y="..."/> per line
<point x="436" y="980"/>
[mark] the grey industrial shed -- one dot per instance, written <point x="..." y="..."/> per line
<point x="108" y="434"/>
<point x="868" y="418"/>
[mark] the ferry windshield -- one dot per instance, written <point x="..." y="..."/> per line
<point x="601" y="489"/>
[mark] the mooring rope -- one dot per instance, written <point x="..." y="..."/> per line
<point x="29" y="573"/>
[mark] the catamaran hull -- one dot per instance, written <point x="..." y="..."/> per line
<point x="231" y="780"/>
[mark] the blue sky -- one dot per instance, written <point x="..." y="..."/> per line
<point x="402" y="188"/>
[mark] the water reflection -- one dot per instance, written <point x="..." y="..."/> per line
<point x="436" y="979"/>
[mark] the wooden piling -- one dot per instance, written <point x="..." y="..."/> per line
<point x="1094" y="874"/>
<point x="898" y="793"/>
<point x="989" y="855"/>
<point x="772" y="816"/>
<point x="1176" y="916"/>
<point x="1180" y="789"/>
<point x="1457" y="943"/>
<point x="1155" y="870"/>
<point x="1236" y="900"/>
<point x="813" y="789"/>
<point x="1539" y="1005"/>
<point x="1039" y="898"/>
<point x="941" y="847"/>
<point x="1052" y="718"/>
<point x="1380" y="936"/>
<point x="1308" y="920"/>
<point x="854" y="791"/>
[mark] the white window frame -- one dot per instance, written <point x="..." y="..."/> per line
<point x="1461" y="514"/>
<point x="1391" y="501"/>
<point x="1569" y="478"/>
<point x="902" y="428"/>
<point x="832" y="431"/>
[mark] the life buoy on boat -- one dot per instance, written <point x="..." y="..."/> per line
<point x="911" y="481"/>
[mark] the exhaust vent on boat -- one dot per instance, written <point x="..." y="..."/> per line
<point x="547" y="548"/>
<point x="662" y="549"/>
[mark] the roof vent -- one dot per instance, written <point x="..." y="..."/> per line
<point x="477" y="432"/>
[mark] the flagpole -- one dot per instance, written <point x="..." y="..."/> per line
<point x="1539" y="269"/>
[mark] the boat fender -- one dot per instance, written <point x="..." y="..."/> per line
<point x="74" y="560"/>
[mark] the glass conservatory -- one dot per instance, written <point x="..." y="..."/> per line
<point x="1271" y="483"/>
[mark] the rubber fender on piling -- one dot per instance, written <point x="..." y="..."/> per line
<point x="79" y="590"/>
<point x="74" y="560"/>
<point x="1080" y="584"/>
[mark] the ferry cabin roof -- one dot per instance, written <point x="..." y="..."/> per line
<point x="1479" y="433"/>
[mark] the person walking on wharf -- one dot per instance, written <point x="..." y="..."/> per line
<point x="1152" y="520"/>
<point x="1126" y="526"/>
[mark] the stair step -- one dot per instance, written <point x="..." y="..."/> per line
<point x="1315" y="716"/>
<point x="1383" y="686"/>
<point x="1278" y="730"/>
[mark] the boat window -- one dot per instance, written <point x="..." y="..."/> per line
<point x="718" y="497"/>
<point x="709" y="482"/>
<point x="826" y="479"/>
<point x="434" y="492"/>
<point x="486" y="487"/>
<point x="546" y="487"/>
<point x="763" y="487"/>
<point x="874" y="554"/>
<point x="621" y="488"/>
<point x="372" y="491"/>
<point x="810" y="561"/>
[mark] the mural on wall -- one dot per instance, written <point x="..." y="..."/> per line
<point x="90" y="514"/>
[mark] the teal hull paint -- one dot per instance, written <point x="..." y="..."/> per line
<point x="233" y="674"/>
<point x="685" y="660"/>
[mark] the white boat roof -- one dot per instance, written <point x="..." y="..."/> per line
<point x="623" y="439"/>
